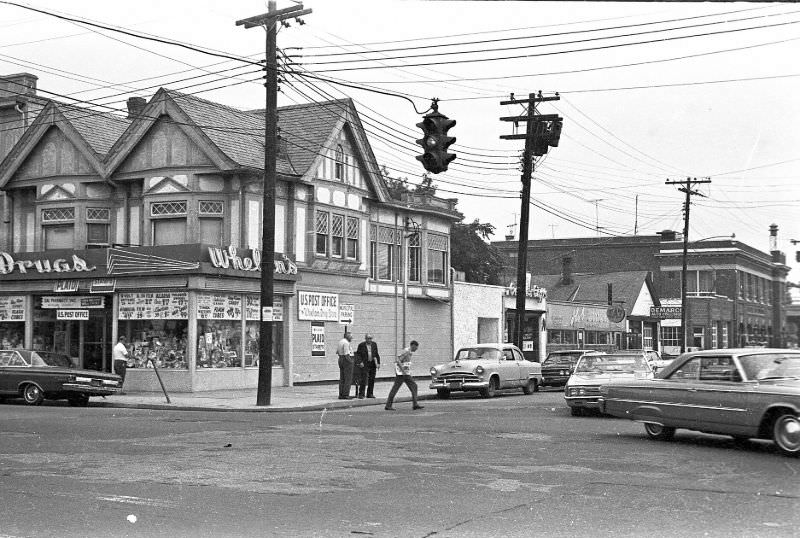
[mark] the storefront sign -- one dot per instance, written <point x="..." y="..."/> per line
<point x="223" y="307"/>
<point x="346" y="313"/>
<point x="534" y="292"/>
<point x="266" y="314"/>
<point x="60" y="265"/>
<point x="12" y="308"/>
<point x="66" y="286"/>
<point x="72" y="302"/>
<point x="315" y="306"/>
<point x="229" y="258"/>
<point x="317" y="339"/>
<point x="166" y="305"/>
<point x="665" y="312"/>
<point x="72" y="314"/>
<point x="253" y="306"/>
<point x="527" y="345"/>
<point x="615" y="314"/>
<point x="103" y="285"/>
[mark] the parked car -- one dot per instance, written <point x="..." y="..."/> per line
<point x="486" y="368"/>
<point x="745" y="393"/>
<point x="583" y="387"/>
<point x="39" y="375"/>
<point x="558" y="365"/>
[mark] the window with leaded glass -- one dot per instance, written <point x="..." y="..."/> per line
<point x="321" y="227"/>
<point x="353" y="226"/>
<point x="58" y="227"/>
<point x="384" y="253"/>
<point x="98" y="221"/>
<point x="210" y="215"/>
<point x="437" y="259"/>
<point x="337" y="235"/>
<point x="169" y="222"/>
<point x="414" y="258"/>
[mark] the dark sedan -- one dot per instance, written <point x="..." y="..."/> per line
<point x="558" y="365"/>
<point x="38" y="375"/>
<point x="745" y="393"/>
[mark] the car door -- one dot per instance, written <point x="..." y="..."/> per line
<point x="6" y="372"/>
<point x="721" y="399"/>
<point x="673" y="396"/>
<point x="509" y="367"/>
<point x="15" y="369"/>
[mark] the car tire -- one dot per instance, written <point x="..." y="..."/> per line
<point x="79" y="400"/>
<point x="530" y="387"/>
<point x="659" y="432"/>
<point x="786" y="433"/>
<point x="32" y="394"/>
<point x="490" y="391"/>
<point x="442" y="394"/>
<point x="576" y="411"/>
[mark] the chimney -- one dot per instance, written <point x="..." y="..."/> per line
<point x="773" y="237"/>
<point x="566" y="270"/>
<point x="668" y="235"/>
<point x="135" y="106"/>
<point x="18" y="85"/>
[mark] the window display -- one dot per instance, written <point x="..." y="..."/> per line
<point x="253" y="341"/>
<point x="219" y="344"/>
<point x="156" y="342"/>
<point x="12" y="335"/>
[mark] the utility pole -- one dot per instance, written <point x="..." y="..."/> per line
<point x="596" y="203"/>
<point x="688" y="182"/>
<point x="269" y="21"/>
<point x="541" y="131"/>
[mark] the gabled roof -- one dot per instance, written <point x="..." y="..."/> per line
<point x="593" y="288"/>
<point x="100" y="129"/>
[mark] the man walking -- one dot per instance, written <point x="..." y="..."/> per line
<point x="120" y="356"/>
<point x="345" y="353"/>
<point x="367" y="354"/>
<point x="402" y="368"/>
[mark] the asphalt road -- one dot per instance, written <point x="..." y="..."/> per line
<point x="512" y="466"/>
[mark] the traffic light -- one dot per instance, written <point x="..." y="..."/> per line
<point x="555" y="132"/>
<point x="435" y="142"/>
<point x="547" y="134"/>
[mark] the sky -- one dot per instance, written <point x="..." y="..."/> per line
<point x="650" y="92"/>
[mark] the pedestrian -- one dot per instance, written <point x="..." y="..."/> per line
<point x="120" y="356"/>
<point x="402" y="369"/>
<point x="345" y="353"/>
<point x="367" y="353"/>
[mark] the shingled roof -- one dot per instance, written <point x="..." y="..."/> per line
<point x="593" y="288"/>
<point x="100" y="129"/>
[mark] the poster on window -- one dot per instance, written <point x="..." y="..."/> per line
<point x="223" y="307"/>
<point x="317" y="339"/>
<point x="165" y="305"/>
<point x="12" y="308"/>
<point x="315" y="306"/>
<point x="253" y="307"/>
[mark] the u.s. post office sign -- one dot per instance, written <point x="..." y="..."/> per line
<point x="316" y="306"/>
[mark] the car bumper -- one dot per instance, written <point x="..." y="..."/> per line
<point x="588" y="402"/>
<point x="457" y="385"/>
<point x="91" y="390"/>
<point x="554" y="380"/>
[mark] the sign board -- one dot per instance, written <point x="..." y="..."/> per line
<point x="615" y="313"/>
<point x="65" y="286"/>
<point x="12" y="308"/>
<point x="267" y="314"/>
<point x="527" y="345"/>
<point x="72" y="314"/>
<point x="103" y="285"/>
<point x="218" y="306"/>
<point x="253" y="308"/>
<point x="72" y="302"/>
<point x="161" y="305"/>
<point x="317" y="339"/>
<point x="346" y="313"/>
<point x="665" y="312"/>
<point x="314" y="306"/>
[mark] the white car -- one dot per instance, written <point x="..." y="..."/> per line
<point x="486" y="368"/>
<point x="583" y="387"/>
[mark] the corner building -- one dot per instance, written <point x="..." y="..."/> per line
<point x="149" y="226"/>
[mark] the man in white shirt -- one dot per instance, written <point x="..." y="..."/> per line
<point x="402" y="368"/>
<point x="120" y="356"/>
<point x="345" y="353"/>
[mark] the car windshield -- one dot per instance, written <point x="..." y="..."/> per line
<point x="45" y="358"/>
<point x="476" y="353"/>
<point x="771" y="366"/>
<point x="558" y="359"/>
<point x="611" y="364"/>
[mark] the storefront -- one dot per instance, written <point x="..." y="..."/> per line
<point x="190" y="310"/>
<point x="533" y="324"/>
<point x="583" y="326"/>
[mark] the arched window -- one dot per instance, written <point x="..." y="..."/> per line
<point x="339" y="166"/>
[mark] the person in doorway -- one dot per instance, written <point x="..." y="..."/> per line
<point x="120" y="356"/>
<point x="367" y="354"/>
<point x="402" y="368"/>
<point x="345" y="353"/>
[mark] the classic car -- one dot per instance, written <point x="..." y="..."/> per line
<point x="38" y="375"/>
<point x="486" y="368"/>
<point x="558" y="365"/>
<point x="582" y="391"/>
<point x="745" y="393"/>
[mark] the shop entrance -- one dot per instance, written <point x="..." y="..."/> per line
<point x="87" y="342"/>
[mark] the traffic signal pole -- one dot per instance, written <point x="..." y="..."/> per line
<point x="269" y="21"/>
<point x="539" y="129"/>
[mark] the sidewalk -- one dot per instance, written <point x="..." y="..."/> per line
<point x="308" y="397"/>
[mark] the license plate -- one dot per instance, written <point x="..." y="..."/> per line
<point x="455" y="385"/>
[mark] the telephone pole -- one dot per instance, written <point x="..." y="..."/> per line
<point x="688" y="182"/>
<point x="269" y="21"/>
<point x="541" y="132"/>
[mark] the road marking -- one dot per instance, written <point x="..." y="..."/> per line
<point x="139" y="501"/>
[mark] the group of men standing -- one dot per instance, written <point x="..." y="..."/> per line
<point x="362" y="365"/>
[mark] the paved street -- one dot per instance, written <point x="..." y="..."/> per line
<point x="512" y="466"/>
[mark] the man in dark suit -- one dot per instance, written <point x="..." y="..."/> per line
<point x="367" y="354"/>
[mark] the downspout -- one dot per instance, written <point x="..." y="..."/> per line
<point x="453" y="313"/>
<point x="396" y="349"/>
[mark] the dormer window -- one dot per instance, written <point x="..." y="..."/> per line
<point x="339" y="164"/>
<point x="58" y="227"/>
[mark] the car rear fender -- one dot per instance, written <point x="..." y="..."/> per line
<point x="765" y="426"/>
<point x="21" y="385"/>
<point x="647" y="413"/>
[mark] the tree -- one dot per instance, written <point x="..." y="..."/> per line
<point x="471" y="253"/>
<point x="398" y="186"/>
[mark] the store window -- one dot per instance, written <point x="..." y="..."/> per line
<point x="321" y="227"/>
<point x="670" y="336"/>
<point x="437" y="259"/>
<point x="414" y="258"/>
<point x="12" y="322"/>
<point x="252" y="335"/>
<point x="98" y="222"/>
<point x="647" y="337"/>
<point x="169" y="222"/>
<point x="156" y="327"/>
<point x="58" y="227"/>
<point x="210" y="214"/>
<point x="559" y="336"/>
<point x="219" y="331"/>
<point x="384" y="253"/>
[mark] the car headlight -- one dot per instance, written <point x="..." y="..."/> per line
<point x="433" y="371"/>
<point x="479" y="370"/>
